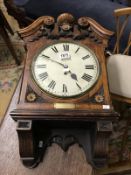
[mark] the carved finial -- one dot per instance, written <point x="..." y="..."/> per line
<point x="65" y="21"/>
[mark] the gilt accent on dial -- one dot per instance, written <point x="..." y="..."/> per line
<point x="65" y="69"/>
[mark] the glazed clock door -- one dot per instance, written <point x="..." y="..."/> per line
<point x="65" y="69"/>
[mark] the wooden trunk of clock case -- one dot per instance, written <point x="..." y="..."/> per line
<point x="43" y="119"/>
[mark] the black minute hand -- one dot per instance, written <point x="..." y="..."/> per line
<point x="73" y="76"/>
<point x="63" y="65"/>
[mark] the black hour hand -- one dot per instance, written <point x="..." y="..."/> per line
<point x="73" y="76"/>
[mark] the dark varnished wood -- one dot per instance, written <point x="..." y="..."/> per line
<point x="59" y="120"/>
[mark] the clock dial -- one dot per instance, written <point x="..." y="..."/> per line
<point x="65" y="69"/>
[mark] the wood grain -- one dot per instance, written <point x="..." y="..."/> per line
<point x="56" y="161"/>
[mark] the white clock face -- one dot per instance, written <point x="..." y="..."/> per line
<point x="65" y="69"/>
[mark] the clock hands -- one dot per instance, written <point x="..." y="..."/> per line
<point x="63" y="65"/>
<point x="73" y="75"/>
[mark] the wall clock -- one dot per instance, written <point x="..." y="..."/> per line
<point x="64" y="95"/>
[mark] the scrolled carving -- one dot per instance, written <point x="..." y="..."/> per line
<point x="83" y="23"/>
<point x="49" y="21"/>
<point x="66" y="26"/>
<point x="100" y="150"/>
<point x="26" y="143"/>
<point x="101" y="145"/>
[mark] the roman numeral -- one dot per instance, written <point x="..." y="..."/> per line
<point x="54" y="49"/>
<point x="86" y="57"/>
<point x="87" y="77"/>
<point x="41" y="66"/>
<point x="78" y="85"/>
<point x="77" y="49"/>
<point x="43" y="76"/>
<point x="64" y="88"/>
<point x="45" y="56"/>
<point x="89" y="66"/>
<point x="52" y="84"/>
<point x="66" y="47"/>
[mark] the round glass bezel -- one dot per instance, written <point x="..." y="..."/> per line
<point x="62" y="96"/>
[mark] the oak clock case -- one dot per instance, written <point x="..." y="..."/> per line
<point x="64" y="96"/>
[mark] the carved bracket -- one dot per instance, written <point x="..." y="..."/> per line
<point x="29" y="151"/>
<point x="93" y="139"/>
<point x="104" y="129"/>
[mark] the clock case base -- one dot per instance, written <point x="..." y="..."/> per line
<point x="36" y="136"/>
<point x="39" y="123"/>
